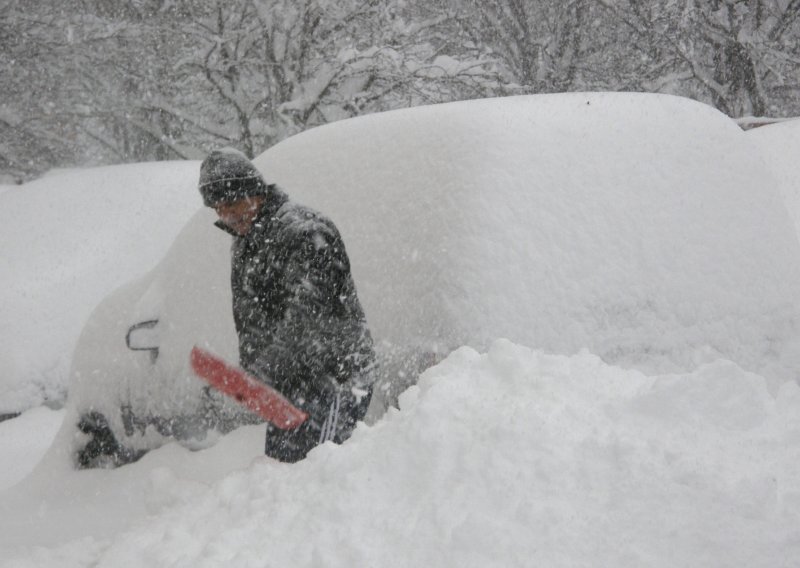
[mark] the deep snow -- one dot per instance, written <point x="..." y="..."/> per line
<point x="510" y="458"/>
<point x="502" y="456"/>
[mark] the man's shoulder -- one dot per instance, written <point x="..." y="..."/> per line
<point x="299" y="221"/>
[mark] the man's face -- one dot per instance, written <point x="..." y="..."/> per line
<point x="239" y="215"/>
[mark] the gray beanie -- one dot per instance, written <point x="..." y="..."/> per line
<point x="226" y="176"/>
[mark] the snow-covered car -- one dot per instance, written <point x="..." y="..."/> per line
<point x="547" y="220"/>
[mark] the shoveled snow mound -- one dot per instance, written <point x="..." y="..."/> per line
<point x="641" y="227"/>
<point x="67" y="241"/>
<point x="510" y="458"/>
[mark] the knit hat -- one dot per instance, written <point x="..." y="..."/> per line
<point x="227" y="175"/>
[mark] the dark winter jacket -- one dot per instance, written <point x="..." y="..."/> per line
<point x="300" y="325"/>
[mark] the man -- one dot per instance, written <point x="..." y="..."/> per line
<point x="301" y="327"/>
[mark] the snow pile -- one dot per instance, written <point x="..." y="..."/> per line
<point x="510" y="458"/>
<point x="641" y="227"/>
<point x="68" y="240"/>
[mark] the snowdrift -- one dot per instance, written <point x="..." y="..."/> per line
<point x="508" y="458"/>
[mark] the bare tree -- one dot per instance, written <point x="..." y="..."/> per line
<point x="33" y="132"/>
<point x="261" y="70"/>
<point x="542" y="46"/>
<point x="741" y="56"/>
<point x="103" y="81"/>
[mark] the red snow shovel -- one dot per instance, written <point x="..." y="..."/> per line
<point x="246" y="390"/>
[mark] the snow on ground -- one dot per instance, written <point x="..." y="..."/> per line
<point x="24" y="440"/>
<point x="509" y="458"/>
<point x="68" y="240"/>
<point x="501" y="456"/>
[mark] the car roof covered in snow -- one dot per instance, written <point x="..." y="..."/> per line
<point x="634" y="225"/>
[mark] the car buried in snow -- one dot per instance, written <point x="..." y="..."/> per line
<point x="548" y="220"/>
